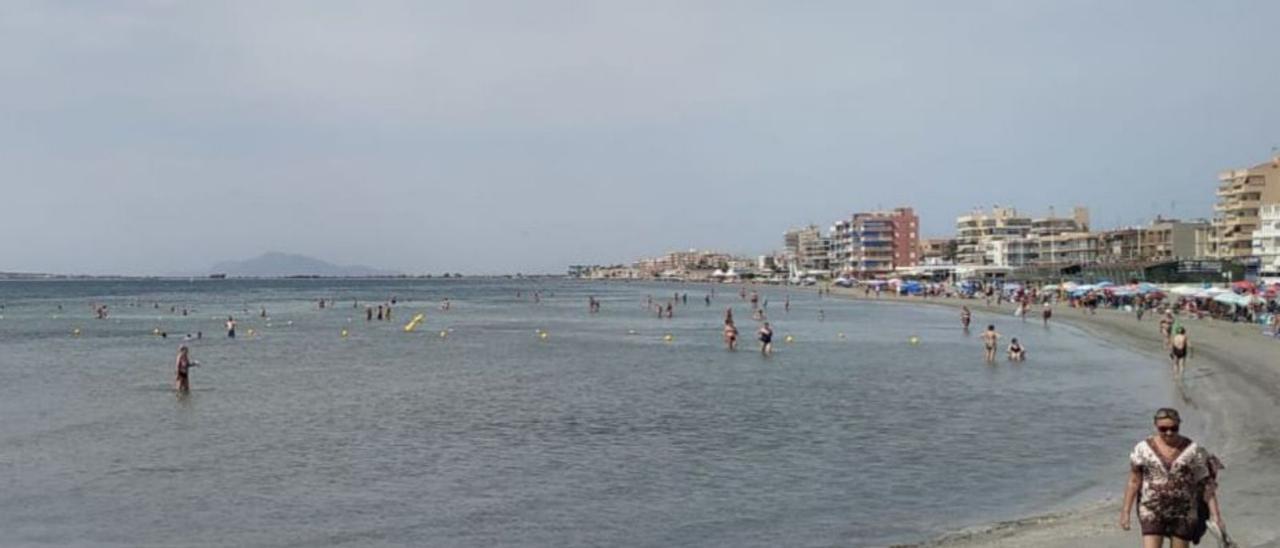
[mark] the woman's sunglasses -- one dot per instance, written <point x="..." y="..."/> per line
<point x="1164" y="429"/>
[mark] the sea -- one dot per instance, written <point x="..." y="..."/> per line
<point x="518" y="417"/>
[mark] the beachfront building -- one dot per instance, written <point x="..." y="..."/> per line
<point x="683" y="264"/>
<point x="1166" y="239"/>
<point x="874" y="243"/>
<point x="1241" y="194"/>
<point x="1121" y="244"/>
<point x="1162" y="240"/>
<point x="1204" y="240"/>
<point x="1266" y="242"/>
<point x="1053" y="225"/>
<point x="613" y="272"/>
<point x="1069" y="248"/>
<point x="1011" y="252"/>
<point x="937" y="251"/>
<point x="977" y="231"/>
<point x="808" y="249"/>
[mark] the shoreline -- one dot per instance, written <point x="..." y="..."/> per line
<point x="1232" y="380"/>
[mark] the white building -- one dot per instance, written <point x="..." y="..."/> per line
<point x="1013" y="252"/>
<point x="1266" y="241"/>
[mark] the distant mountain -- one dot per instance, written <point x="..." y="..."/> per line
<point x="275" y="264"/>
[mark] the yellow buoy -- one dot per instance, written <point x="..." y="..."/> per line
<point x="76" y="332"/>
<point x="790" y="339"/>
<point x="840" y="335"/>
<point x="444" y="334"/>
<point x="155" y="331"/>
<point x="914" y="340"/>
<point x="668" y="338"/>
<point x="543" y="335"/>
<point x="344" y="332"/>
<point x="413" y="324"/>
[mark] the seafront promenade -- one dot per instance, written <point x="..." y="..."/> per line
<point x="1232" y="379"/>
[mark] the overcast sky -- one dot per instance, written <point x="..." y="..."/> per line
<point x="486" y="137"/>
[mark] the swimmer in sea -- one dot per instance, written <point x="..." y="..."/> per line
<point x="1179" y="346"/>
<point x="965" y="316"/>
<point x="766" y="339"/>
<point x="989" y="340"/>
<point x="231" y="327"/>
<point x="1016" y="352"/>
<point x="730" y="335"/>
<point x="182" y="381"/>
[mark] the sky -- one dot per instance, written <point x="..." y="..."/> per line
<point x="497" y="137"/>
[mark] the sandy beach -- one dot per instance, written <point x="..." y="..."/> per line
<point x="1232" y="379"/>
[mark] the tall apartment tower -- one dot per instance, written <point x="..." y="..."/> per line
<point x="1242" y="193"/>
<point x="874" y="243"/>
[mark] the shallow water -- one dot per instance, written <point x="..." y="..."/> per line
<point x="602" y="433"/>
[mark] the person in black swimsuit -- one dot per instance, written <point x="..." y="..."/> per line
<point x="766" y="339"/>
<point x="1016" y="352"/>
<point x="1178" y="347"/>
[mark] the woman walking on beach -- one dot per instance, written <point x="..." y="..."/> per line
<point x="1174" y="481"/>
<point x="1166" y="327"/>
<point x="1178" y="348"/>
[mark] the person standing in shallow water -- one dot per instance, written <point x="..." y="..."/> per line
<point x="766" y="339"/>
<point x="182" y="380"/>
<point x="989" y="340"/>
<point x="231" y="327"/>
<point x="730" y="334"/>
<point x="1175" y="483"/>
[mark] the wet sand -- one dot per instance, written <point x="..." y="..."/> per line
<point x="1232" y="379"/>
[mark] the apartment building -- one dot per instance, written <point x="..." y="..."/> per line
<point x="1266" y="241"/>
<point x="808" y="248"/>
<point x="876" y="242"/>
<point x="1241" y="195"/>
<point x="976" y="232"/>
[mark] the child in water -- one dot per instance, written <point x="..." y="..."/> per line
<point x="1016" y="352"/>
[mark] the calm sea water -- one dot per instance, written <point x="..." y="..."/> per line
<point x="601" y="433"/>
